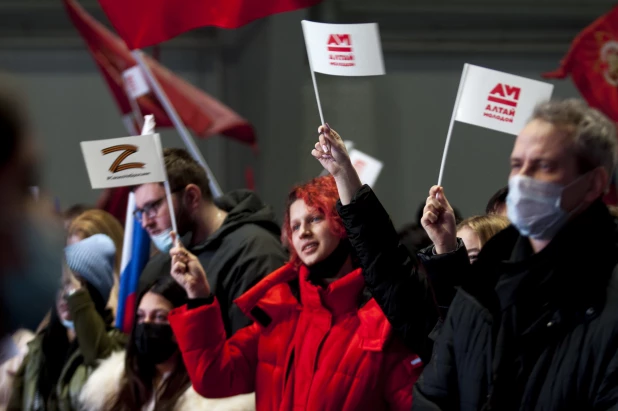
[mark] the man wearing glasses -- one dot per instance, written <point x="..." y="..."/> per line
<point x="235" y="237"/>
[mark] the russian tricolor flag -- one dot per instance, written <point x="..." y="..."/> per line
<point x="135" y="255"/>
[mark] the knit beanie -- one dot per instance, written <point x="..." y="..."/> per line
<point x="93" y="260"/>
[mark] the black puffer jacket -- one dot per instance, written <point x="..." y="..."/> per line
<point x="399" y="286"/>
<point x="532" y="331"/>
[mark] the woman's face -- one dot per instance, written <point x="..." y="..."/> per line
<point x="312" y="236"/>
<point x="472" y="242"/>
<point x="62" y="307"/>
<point x="153" y="309"/>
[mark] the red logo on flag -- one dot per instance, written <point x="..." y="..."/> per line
<point x="340" y="48"/>
<point x="505" y="94"/>
<point x="502" y="102"/>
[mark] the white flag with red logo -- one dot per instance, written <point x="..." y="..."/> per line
<point x="344" y="49"/>
<point x="367" y="167"/>
<point x="496" y="100"/>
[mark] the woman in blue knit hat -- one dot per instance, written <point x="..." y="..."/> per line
<point x="80" y="333"/>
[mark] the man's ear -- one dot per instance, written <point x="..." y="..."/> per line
<point x="599" y="184"/>
<point x="192" y="196"/>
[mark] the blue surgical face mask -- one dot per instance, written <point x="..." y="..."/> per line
<point x="28" y="289"/>
<point x="535" y="207"/>
<point x="69" y="325"/>
<point x="163" y="240"/>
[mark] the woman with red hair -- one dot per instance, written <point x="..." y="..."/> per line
<point x="318" y="341"/>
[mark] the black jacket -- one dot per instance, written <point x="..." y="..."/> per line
<point x="246" y="248"/>
<point x="399" y="286"/>
<point x="532" y="331"/>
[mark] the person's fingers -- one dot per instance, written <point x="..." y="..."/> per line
<point x="178" y="251"/>
<point x="428" y="219"/>
<point x="317" y="154"/>
<point x="334" y="136"/>
<point x="437" y="207"/>
<point x="431" y="209"/>
<point x="179" y="268"/>
<point x="324" y="143"/>
<point x="433" y="191"/>
<point x="442" y="198"/>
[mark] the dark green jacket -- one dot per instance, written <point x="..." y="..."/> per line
<point x="95" y="341"/>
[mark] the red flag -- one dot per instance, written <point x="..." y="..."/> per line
<point x="200" y="112"/>
<point x="592" y="63"/>
<point x="142" y="23"/>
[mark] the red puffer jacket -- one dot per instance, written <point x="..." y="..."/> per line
<point x="324" y="354"/>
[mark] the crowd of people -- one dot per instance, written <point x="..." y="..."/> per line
<point x="333" y="309"/>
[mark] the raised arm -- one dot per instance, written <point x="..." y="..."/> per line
<point x="399" y="287"/>
<point x="217" y="368"/>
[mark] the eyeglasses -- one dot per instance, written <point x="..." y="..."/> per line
<point x="149" y="210"/>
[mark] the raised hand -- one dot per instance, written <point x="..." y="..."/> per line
<point x="330" y="151"/>
<point x="188" y="271"/>
<point x="439" y="221"/>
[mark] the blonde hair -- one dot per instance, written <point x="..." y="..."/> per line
<point x="485" y="226"/>
<point x="93" y="222"/>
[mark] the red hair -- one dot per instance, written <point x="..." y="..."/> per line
<point x="320" y="194"/>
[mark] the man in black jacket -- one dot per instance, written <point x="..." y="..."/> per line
<point x="235" y="237"/>
<point x="535" y="326"/>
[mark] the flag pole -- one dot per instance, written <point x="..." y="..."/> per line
<point x="137" y="113"/>
<point x="315" y="83"/>
<point x="180" y="127"/>
<point x="450" y="127"/>
<point x="149" y="128"/>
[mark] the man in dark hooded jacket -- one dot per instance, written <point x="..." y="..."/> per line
<point x="535" y="324"/>
<point x="235" y="237"/>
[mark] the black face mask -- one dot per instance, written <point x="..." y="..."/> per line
<point x="330" y="266"/>
<point x="154" y="342"/>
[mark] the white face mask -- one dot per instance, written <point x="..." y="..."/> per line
<point x="535" y="207"/>
<point x="163" y="240"/>
<point x="69" y="325"/>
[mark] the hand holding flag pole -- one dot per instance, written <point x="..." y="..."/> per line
<point x="342" y="50"/>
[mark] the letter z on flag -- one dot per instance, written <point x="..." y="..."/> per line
<point x="124" y="161"/>
<point x="499" y="101"/>
<point x="344" y="49"/>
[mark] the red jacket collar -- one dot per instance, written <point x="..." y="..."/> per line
<point x="273" y="296"/>
<point x="340" y="297"/>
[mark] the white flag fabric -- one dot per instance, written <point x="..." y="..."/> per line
<point x="367" y="167"/>
<point x="499" y="101"/>
<point x="135" y="82"/>
<point x="124" y="161"/>
<point x="344" y="49"/>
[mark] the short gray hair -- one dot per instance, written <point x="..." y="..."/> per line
<point x="594" y="135"/>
